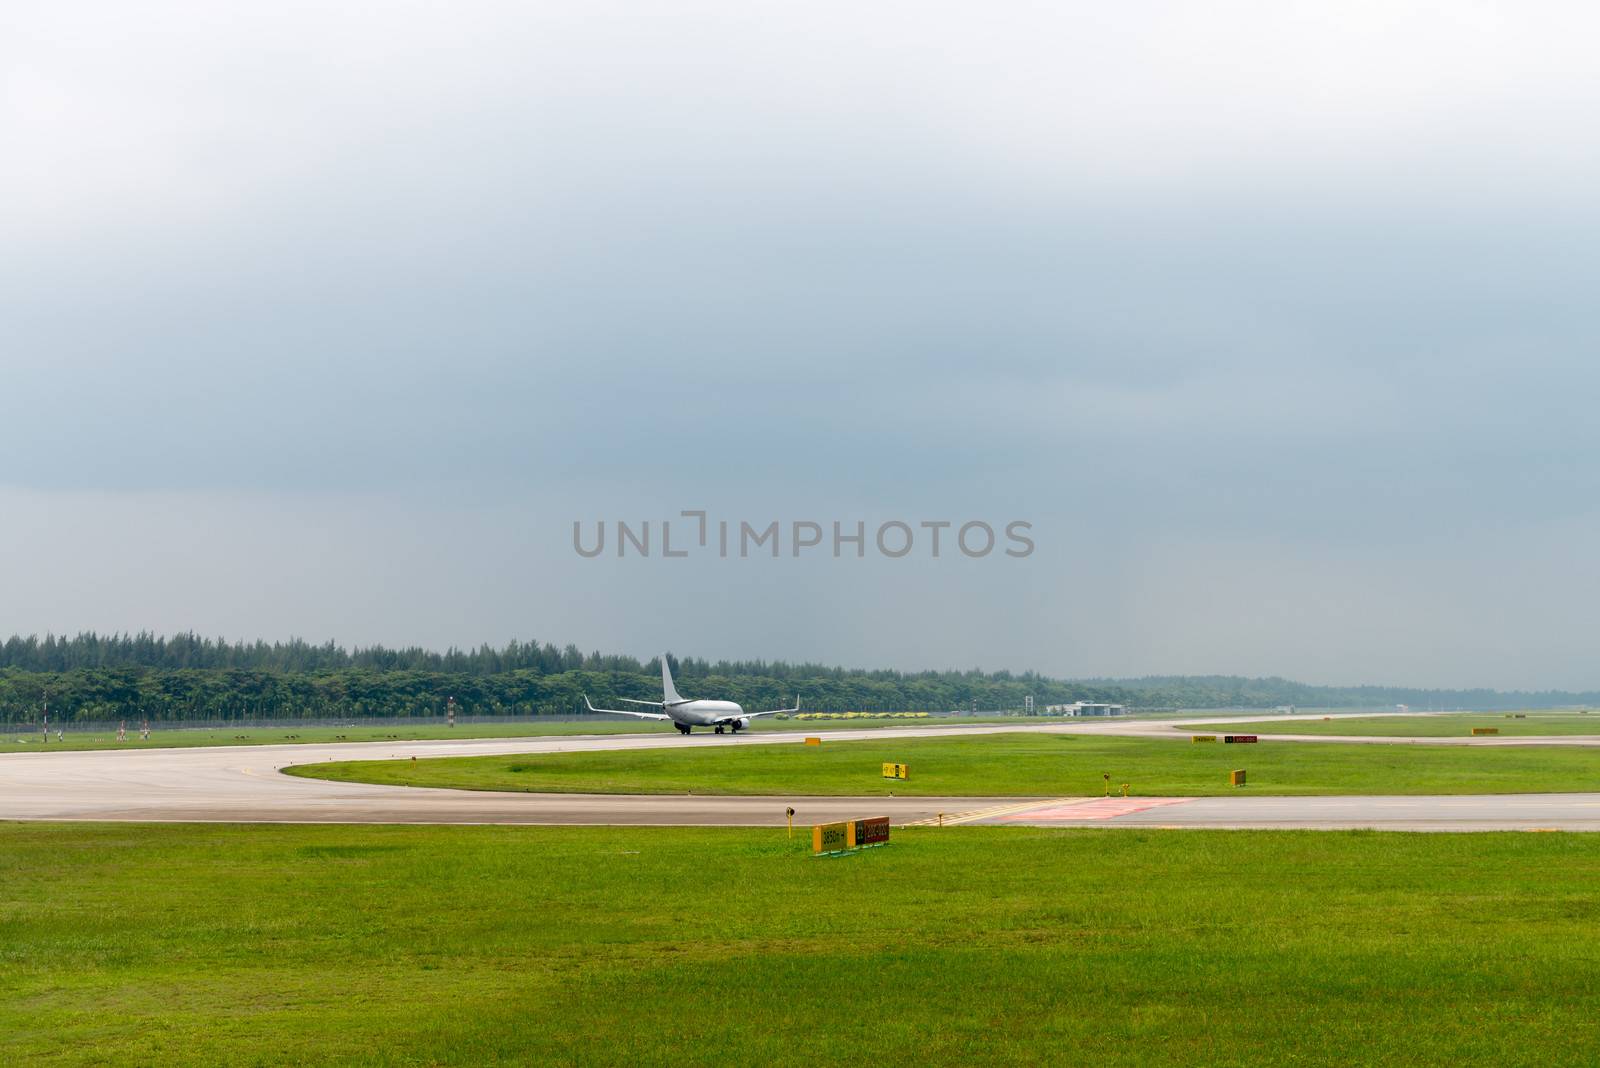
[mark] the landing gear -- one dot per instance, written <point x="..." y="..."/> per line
<point x="719" y="728"/>
<point x="682" y="727"/>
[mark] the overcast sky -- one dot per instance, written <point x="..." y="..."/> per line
<point x="1277" y="322"/>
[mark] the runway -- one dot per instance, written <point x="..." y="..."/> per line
<point x="244" y="784"/>
<point x="1464" y="812"/>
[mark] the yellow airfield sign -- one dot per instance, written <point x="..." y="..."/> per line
<point x="835" y="838"/>
<point x="831" y="837"/>
<point x="897" y="771"/>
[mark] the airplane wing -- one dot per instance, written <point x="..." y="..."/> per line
<point x="774" y="711"/>
<point x="627" y="712"/>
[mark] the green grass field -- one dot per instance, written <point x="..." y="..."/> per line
<point x="182" y="738"/>
<point x="1451" y="725"/>
<point x="994" y="765"/>
<point x="274" y="945"/>
<point x="12" y="741"/>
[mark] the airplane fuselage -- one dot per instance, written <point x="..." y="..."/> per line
<point x="705" y="713"/>
<point x="684" y="714"/>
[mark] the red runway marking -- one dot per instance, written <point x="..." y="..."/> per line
<point x="1101" y="808"/>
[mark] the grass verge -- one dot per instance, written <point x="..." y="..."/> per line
<point x="181" y="738"/>
<point x="999" y="765"/>
<point x="1450" y="725"/>
<point x="127" y="944"/>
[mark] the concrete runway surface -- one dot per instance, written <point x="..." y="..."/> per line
<point x="242" y="784"/>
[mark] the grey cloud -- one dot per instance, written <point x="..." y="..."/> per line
<point x="1174" y="286"/>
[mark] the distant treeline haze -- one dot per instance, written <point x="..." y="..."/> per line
<point x="187" y="677"/>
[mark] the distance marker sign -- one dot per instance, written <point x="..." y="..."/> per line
<point x="869" y="832"/>
<point x="835" y="839"/>
<point x="830" y="837"/>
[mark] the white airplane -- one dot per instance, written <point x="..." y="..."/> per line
<point x="684" y="714"/>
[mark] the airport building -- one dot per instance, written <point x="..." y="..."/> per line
<point x="1086" y="708"/>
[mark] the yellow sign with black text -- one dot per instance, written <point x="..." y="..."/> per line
<point x="830" y="837"/>
<point x="897" y="771"/>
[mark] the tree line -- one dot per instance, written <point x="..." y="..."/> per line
<point x="186" y="677"/>
<point x="191" y="651"/>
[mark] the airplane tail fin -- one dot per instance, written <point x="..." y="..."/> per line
<point x="669" y="692"/>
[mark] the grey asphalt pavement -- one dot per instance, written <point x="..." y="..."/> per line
<point x="244" y="784"/>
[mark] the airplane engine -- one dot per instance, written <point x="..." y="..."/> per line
<point x="741" y="723"/>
